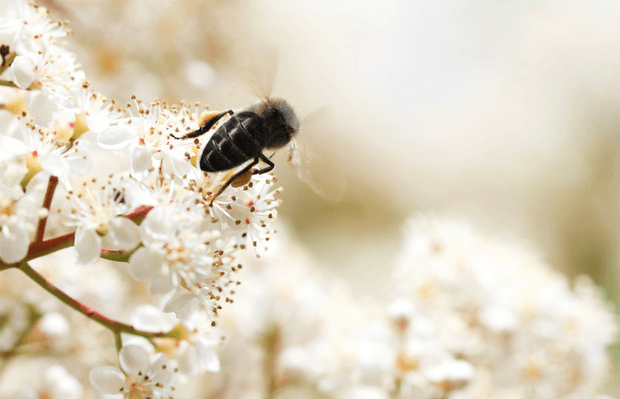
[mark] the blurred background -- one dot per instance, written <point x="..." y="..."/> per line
<point x="505" y="113"/>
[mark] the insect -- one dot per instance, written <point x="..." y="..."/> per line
<point x="264" y="125"/>
<point x="267" y="124"/>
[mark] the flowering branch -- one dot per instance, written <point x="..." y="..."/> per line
<point x="41" y="248"/>
<point x="180" y="246"/>
<point x="111" y="324"/>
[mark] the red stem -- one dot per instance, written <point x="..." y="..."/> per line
<point x="89" y="312"/>
<point x="41" y="248"/>
<point x="47" y="201"/>
<point x="138" y="214"/>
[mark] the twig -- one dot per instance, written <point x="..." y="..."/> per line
<point x="47" y="201"/>
<point x="111" y="324"/>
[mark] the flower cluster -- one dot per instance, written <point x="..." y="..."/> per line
<point x="468" y="316"/>
<point x="104" y="214"/>
<point x="114" y="182"/>
<point x="506" y="312"/>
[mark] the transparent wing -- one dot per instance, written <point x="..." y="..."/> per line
<point x="259" y="72"/>
<point x="315" y="164"/>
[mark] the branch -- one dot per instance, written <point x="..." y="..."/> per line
<point x="111" y="324"/>
<point x="47" y="201"/>
<point x="41" y="248"/>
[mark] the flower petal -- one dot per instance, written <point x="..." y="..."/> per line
<point x="134" y="360"/>
<point x="150" y="318"/>
<point x="62" y="384"/>
<point x="21" y="71"/>
<point x="183" y="303"/>
<point x="178" y="166"/>
<point x="158" y="226"/>
<point x="145" y="264"/>
<point x="140" y="162"/>
<point x="55" y="164"/>
<point x="87" y="245"/>
<point x="187" y="358"/>
<point x="107" y="379"/>
<point x="162" y="284"/>
<point x="14" y="244"/>
<point x="116" y="138"/>
<point x="11" y="147"/>
<point x="162" y="373"/>
<point x="208" y="358"/>
<point x="123" y="233"/>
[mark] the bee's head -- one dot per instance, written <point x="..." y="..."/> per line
<point x="279" y="120"/>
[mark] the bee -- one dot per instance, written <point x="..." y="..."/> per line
<point x="268" y="124"/>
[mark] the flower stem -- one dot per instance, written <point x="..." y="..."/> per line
<point x="8" y="60"/>
<point x="41" y="248"/>
<point x="118" y="341"/>
<point x="117" y="256"/>
<point x="272" y="345"/>
<point x="33" y="317"/>
<point x="8" y="84"/>
<point x="111" y="324"/>
<point x="139" y="213"/>
<point x="47" y="201"/>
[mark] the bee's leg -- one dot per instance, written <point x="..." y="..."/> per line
<point x="206" y="127"/>
<point x="270" y="165"/>
<point x="232" y="178"/>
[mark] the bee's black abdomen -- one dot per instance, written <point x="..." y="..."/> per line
<point x="232" y="144"/>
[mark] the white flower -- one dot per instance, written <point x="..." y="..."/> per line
<point x="46" y="149"/>
<point x="97" y="211"/>
<point x="193" y="349"/>
<point x="196" y="352"/>
<point x="451" y="374"/>
<point x="249" y="211"/>
<point x="95" y="112"/>
<point x="148" y="136"/>
<point x="19" y="211"/>
<point x="35" y="21"/>
<point x="141" y="377"/>
<point x="150" y="318"/>
<point x="310" y="332"/>
<point x="22" y="71"/>
<point x="41" y="63"/>
<point x="15" y="316"/>
<point x="178" y="251"/>
<point x="505" y="312"/>
<point x="57" y="383"/>
<point x="56" y="329"/>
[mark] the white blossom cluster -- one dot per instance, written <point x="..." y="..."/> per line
<point x="502" y="309"/>
<point x="470" y="317"/>
<point x="105" y="202"/>
<point x="114" y="182"/>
